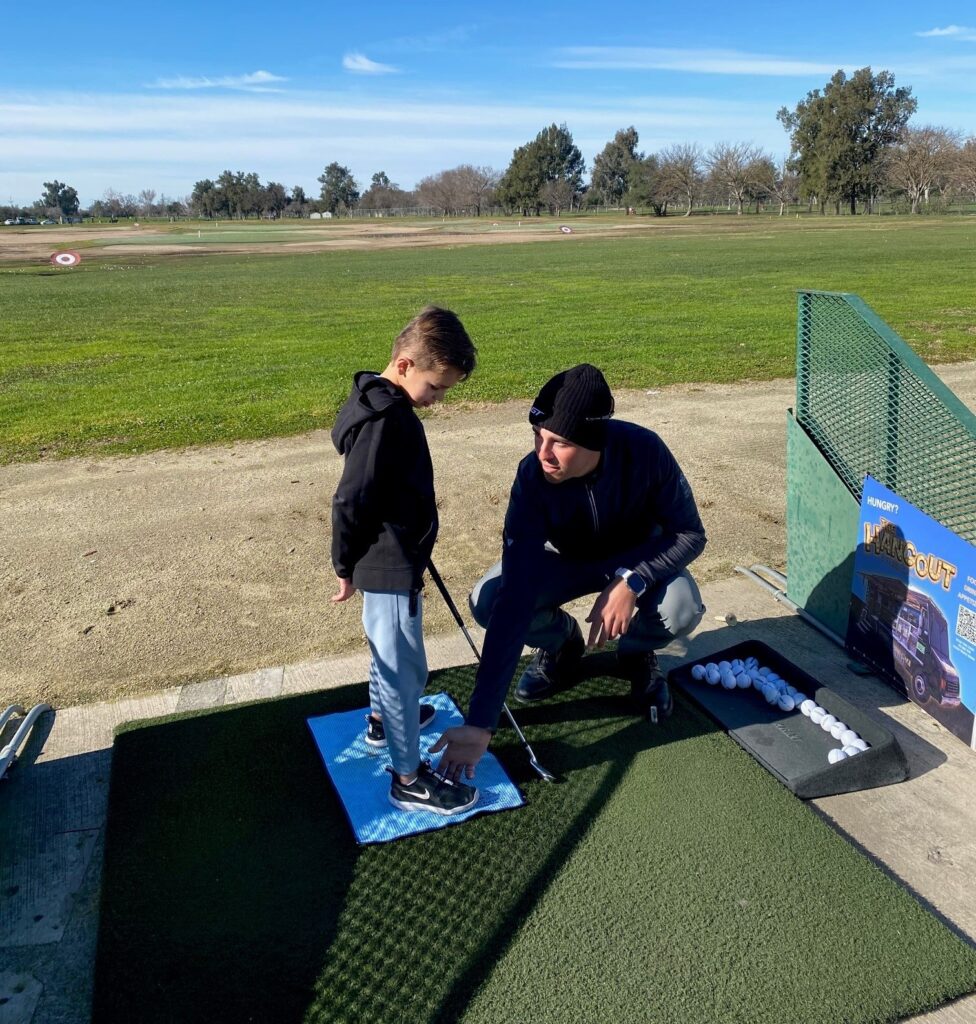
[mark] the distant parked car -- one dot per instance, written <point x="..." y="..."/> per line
<point x="49" y="222"/>
<point x="10" y="221"/>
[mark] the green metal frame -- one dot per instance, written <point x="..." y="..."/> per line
<point x="871" y="405"/>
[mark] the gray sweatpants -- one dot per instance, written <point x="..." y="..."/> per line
<point x="666" y="611"/>
<point x="397" y="671"/>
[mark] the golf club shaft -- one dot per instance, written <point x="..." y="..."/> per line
<point x="452" y="607"/>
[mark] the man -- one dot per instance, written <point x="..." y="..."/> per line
<point x="601" y="507"/>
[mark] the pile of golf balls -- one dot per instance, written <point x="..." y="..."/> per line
<point x="749" y="674"/>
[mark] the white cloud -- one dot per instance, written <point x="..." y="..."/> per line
<point x="256" y="81"/>
<point x="951" y="32"/>
<point x="359" y="64"/>
<point x="716" y="62"/>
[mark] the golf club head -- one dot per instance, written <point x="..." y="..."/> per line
<point x="543" y="773"/>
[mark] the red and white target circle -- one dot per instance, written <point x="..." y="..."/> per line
<point x="65" y="259"/>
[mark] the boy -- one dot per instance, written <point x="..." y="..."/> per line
<point x="384" y="524"/>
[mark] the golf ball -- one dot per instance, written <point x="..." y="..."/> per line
<point x="826" y="722"/>
<point x="743" y="680"/>
<point x="712" y="674"/>
<point x="710" y="665"/>
<point x="799" y="699"/>
<point x="698" y="672"/>
<point x="786" y="702"/>
<point x="848" y="737"/>
<point x="806" y="706"/>
<point x="817" y="714"/>
<point x="851" y="750"/>
<point x="838" y="729"/>
<point x="724" y="666"/>
<point x="835" y="755"/>
<point x="792" y="691"/>
<point x="728" y="680"/>
<point x="764" y="670"/>
<point x="860" y="744"/>
<point x="771" y="694"/>
<point x="736" y="665"/>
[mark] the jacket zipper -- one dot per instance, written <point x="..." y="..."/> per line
<point x="596" y="518"/>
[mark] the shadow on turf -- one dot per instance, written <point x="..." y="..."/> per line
<point x="233" y="890"/>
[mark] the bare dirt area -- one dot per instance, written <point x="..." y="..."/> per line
<point x="122" y="576"/>
<point x="113" y="240"/>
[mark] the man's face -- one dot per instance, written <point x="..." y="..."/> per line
<point x="425" y="387"/>
<point x="560" y="459"/>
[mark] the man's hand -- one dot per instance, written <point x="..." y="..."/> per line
<point x="611" y="613"/>
<point x="466" y="745"/>
<point x="346" y="590"/>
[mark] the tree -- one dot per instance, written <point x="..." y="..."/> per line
<point x="204" y="199"/>
<point x="60" y="197"/>
<point x="551" y="156"/>
<point x="613" y="165"/>
<point x="838" y="137"/>
<point x="964" y="169"/>
<point x="681" y="173"/>
<point x="769" y="181"/>
<point x="646" y="186"/>
<point x="728" y="166"/>
<point x="384" y="194"/>
<point x="339" y="189"/>
<point x="921" y="160"/>
<point x="274" y="199"/>
<point x="146" y="199"/>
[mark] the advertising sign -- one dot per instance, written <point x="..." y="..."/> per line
<point x="913" y="607"/>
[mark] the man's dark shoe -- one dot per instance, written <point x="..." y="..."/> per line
<point x="431" y="792"/>
<point x="376" y="734"/>
<point x="550" y="671"/>
<point x="648" y="687"/>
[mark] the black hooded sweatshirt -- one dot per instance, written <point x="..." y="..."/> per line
<point x="384" y="517"/>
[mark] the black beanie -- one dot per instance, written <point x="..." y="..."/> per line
<point x="575" y="404"/>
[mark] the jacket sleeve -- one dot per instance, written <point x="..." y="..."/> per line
<point x="356" y="500"/>
<point x="523" y="551"/>
<point x="678" y="536"/>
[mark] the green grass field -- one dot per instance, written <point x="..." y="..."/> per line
<point x="665" y="878"/>
<point x="137" y="352"/>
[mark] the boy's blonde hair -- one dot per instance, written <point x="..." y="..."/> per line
<point x="435" y="337"/>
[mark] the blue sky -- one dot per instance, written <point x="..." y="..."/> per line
<point x="133" y="96"/>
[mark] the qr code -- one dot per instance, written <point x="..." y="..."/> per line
<point x="966" y="624"/>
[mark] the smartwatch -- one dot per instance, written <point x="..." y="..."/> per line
<point x="634" y="580"/>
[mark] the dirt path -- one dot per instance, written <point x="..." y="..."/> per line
<point x="121" y="576"/>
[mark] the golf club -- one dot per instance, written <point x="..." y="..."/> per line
<point x="543" y="773"/>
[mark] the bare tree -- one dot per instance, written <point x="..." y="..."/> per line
<point x="728" y="164"/>
<point x="146" y="199"/>
<point x="922" y="160"/>
<point x="681" y="172"/>
<point x="475" y="185"/>
<point x="964" y="168"/>
<point x="767" y="181"/>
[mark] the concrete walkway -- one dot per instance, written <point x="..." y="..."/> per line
<point x="53" y="804"/>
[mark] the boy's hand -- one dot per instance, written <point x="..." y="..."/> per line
<point x="466" y="745"/>
<point x="611" y="613"/>
<point x="346" y="590"/>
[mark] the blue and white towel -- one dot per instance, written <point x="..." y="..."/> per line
<point x="359" y="776"/>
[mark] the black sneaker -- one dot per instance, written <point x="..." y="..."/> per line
<point x="648" y="687"/>
<point x="550" y="671"/>
<point x="431" y="792"/>
<point x="375" y="734"/>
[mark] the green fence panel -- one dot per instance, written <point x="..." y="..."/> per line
<point x="865" y="403"/>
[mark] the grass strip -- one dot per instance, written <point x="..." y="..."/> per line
<point x="666" y="878"/>
<point x="135" y="353"/>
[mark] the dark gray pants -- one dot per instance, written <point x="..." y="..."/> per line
<point x="664" y="612"/>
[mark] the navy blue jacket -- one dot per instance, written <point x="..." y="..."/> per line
<point x="384" y="517"/>
<point x="634" y="510"/>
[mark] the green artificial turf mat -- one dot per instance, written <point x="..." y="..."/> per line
<point x="666" y="878"/>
